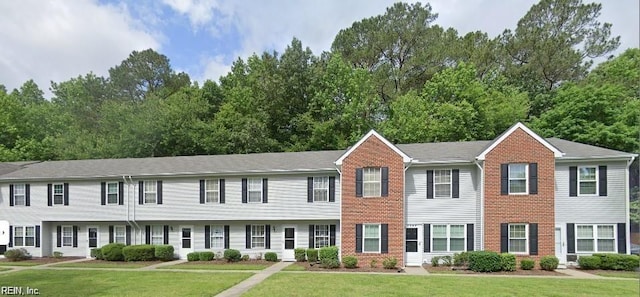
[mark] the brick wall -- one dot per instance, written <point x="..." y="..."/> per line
<point x="384" y="210"/>
<point x="520" y="147"/>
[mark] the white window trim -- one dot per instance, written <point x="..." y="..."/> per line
<point x="207" y="192"/>
<point x="526" y="238"/>
<point x="214" y="237"/>
<point x="324" y="188"/>
<point x="448" y="237"/>
<point x="450" y="184"/>
<point x="117" y="193"/>
<point x="328" y="236"/>
<point x="53" y="194"/>
<point x="124" y="234"/>
<point x="23" y="195"/>
<point x="379" y="182"/>
<point x="24" y="236"/>
<point x="263" y="236"/>
<point x="62" y="236"/>
<point x="249" y="190"/>
<point x="154" y="236"/>
<point x="597" y="180"/>
<point x="526" y="179"/>
<point x="364" y="237"/>
<point x="596" y="237"/>
<point x="145" y="192"/>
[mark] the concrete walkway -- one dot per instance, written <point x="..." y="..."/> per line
<point x="154" y="266"/>
<point x="257" y="278"/>
<point x="580" y="274"/>
<point x="415" y="270"/>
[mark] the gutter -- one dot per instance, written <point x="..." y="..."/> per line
<point x="481" y="167"/>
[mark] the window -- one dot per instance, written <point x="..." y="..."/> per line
<point x="518" y="179"/>
<point x="19" y="194"/>
<point x="321" y="189"/>
<point x="448" y="238"/>
<point x="587" y="181"/>
<point x="371" y="182"/>
<point x="157" y="234"/>
<point x="58" y="194"/>
<point x="217" y="237"/>
<point x="442" y="183"/>
<point x="518" y="238"/>
<point x="371" y="238"/>
<point x="456" y="238"/>
<point x="24" y="236"/>
<point x="67" y="236"/>
<point x="254" y="190"/>
<point x="321" y="236"/>
<point x="120" y="234"/>
<point x="150" y="193"/>
<point x="439" y="238"/>
<point x="112" y="193"/>
<point x="257" y="236"/>
<point x="595" y="238"/>
<point x="212" y="191"/>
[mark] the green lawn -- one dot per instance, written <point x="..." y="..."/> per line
<point x="105" y="264"/>
<point x="19" y="263"/>
<point x="317" y="284"/>
<point x="293" y="267"/>
<point x="122" y="283"/>
<point x="204" y="266"/>
<point x="4" y="268"/>
<point x="624" y="274"/>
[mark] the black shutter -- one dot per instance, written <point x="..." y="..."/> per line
<point x="384" y="182"/>
<point x="202" y="186"/>
<point x="110" y="234"/>
<point x="50" y="195"/>
<point x="267" y="235"/>
<point x="310" y="189"/>
<point x="358" y="182"/>
<point x="332" y="189"/>
<point x="75" y="236"/>
<point x="533" y="178"/>
<point x="429" y="184"/>
<point x="504" y="179"/>
<point x="166" y="234"/>
<point x="332" y="235"/>
<point x="207" y="236"/>
<point x="128" y="235"/>
<point x="504" y="238"/>
<point x="571" y="239"/>
<point x="573" y="181"/>
<point x="265" y="191"/>
<point x="37" y="235"/>
<point x="455" y="186"/>
<point x="247" y="239"/>
<point x="27" y="195"/>
<point x="358" y="238"/>
<point x="622" y="238"/>
<point x="226" y="236"/>
<point x="222" y="190"/>
<point x="384" y="240"/>
<point x="11" y="236"/>
<point x="312" y="231"/>
<point x="426" y="237"/>
<point x="533" y="239"/>
<point x="141" y="192"/>
<point x="59" y="236"/>
<point x="159" y="192"/>
<point x="470" y="237"/>
<point x="103" y="193"/>
<point x="11" y="195"/>
<point x="244" y="190"/>
<point x="121" y="193"/>
<point x="602" y="180"/>
<point x="147" y="234"/>
<point x="66" y="195"/>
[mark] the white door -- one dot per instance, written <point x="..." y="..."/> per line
<point x="413" y="245"/>
<point x="289" y="233"/>
<point x="186" y="241"/>
<point x="92" y="239"/>
<point x="560" y="251"/>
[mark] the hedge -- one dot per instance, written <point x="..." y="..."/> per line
<point x="232" y="255"/>
<point x="507" y="262"/>
<point x="484" y="261"/>
<point x="312" y="255"/>
<point x="164" y="252"/>
<point x="142" y="252"/>
<point x="299" y="254"/>
<point x="350" y="262"/>
<point x="549" y="263"/>
<point x="527" y="264"/>
<point x="193" y="256"/>
<point x="589" y="262"/>
<point x="271" y="256"/>
<point x="618" y="261"/>
<point x="206" y="256"/>
<point x="113" y="252"/>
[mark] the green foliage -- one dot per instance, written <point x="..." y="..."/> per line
<point x="96" y="253"/>
<point x="350" y="262"/>
<point x="15" y="255"/>
<point x="232" y="255"/>
<point x="618" y="261"/>
<point x="164" y="252"/>
<point x="57" y="254"/>
<point x="485" y="261"/>
<point x="373" y="263"/>
<point x="447" y="260"/>
<point x="589" y="262"/>
<point x="389" y="263"/>
<point x="330" y="263"/>
<point x="299" y="254"/>
<point x="193" y="256"/>
<point x="113" y="252"/>
<point x="527" y="264"/>
<point x="549" y="263"/>
<point x="206" y="256"/>
<point x="245" y="258"/>
<point x="271" y="256"/>
<point x="507" y="262"/>
<point x="329" y="252"/>
<point x="312" y="255"/>
<point x="435" y="261"/>
<point x="141" y="252"/>
<point x="461" y="259"/>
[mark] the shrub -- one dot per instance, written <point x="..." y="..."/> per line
<point x="96" y="253"/>
<point x="113" y="252"/>
<point x="484" y="261"/>
<point x="206" y="256"/>
<point x="57" y="254"/>
<point x="589" y="262"/>
<point x="329" y="252"/>
<point x="435" y="261"/>
<point x="527" y="264"/>
<point x="194" y="256"/>
<point x="461" y="259"/>
<point x="629" y="262"/>
<point x="618" y="261"/>
<point x="373" y="263"/>
<point x="350" y="262"/>
<point x="299" y="254"/>
<point x="312" y="255"/>
<point x="330" y="263"/>
<point x="163" y="252"/>
<point x="141" y="252"/>
<point x="15" y="255"/>
<point x="549" y="263"/>
<point x="245" y="258"/>
<point x="389" y="263"/>
<point x="232" y="255"/>
<point x="271" y="256"/>
<point x="446" y="260"/>
<point x="507" y="262"/>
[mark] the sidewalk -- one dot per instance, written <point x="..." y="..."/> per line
<point x="257" y="278"/>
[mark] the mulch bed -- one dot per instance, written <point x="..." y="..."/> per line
<point x="147" y="263"/>
<point x="43" y="260"/>
<point x="458" y="270"/>
<point x="318" y="267"/>
<point x="224" y="262"/>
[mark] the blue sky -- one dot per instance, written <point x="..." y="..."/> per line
<point x="55" y="40"/>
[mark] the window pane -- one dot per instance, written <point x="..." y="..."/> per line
<point x="443" y="190"/>
<point x="517" y="245"/>
<point x="439" y="244"/>
<point x="585" y="245"/>
<point x="585" y="231"/>
<point x="371" y="245"/>
<point x="371" y="231"/>
<point x="606" y="245"/>
<point x="457" y="244"/>
<point x="587" y="173"/>
<point x="457" y="231"/>
<point x="18" y="231"/>
<point x="588" y="188"/>
<point x="442" y="176"/>
<point x="517" y="186"/>
<point x="517" y="231"/>
<point x="212" y="185"/>
<point x="440" y="231"/>
<point x="57" y="189"/>
<point x="605" y="231"/>
<point x="517" y="171"/>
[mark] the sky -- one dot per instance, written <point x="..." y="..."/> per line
<point x="57" y="40"/>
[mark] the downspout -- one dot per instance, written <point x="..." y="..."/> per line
<point x="133" y="219"/>
<point x="404" y="212"/>
<point x="481" y="168"/>
<point x="627" y="213"/>
<point x="340" y="213"/>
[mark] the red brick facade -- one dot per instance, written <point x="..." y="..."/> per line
<point x="520" y="147"/>
<point x="376" y="210"/>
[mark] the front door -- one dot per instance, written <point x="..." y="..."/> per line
<point x="186" y="241"/>
<point x="92" y="239"/>
<point x="413" y="244"/>
<point x="289" y="243"/>
<point x="560" y="252"/>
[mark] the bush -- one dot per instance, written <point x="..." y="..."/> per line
<point x="141" y="252"/>
<point x="549" y="263"/>
<point x="245" y="258"/>
<point x="589" y="262"/>
<point x="527" y="264"/>
<point x="194" y="256"/>
<point x="435" y="261"/>
<point x="299" y="254"/>
<point x="330" y="263"/>
<point x="373" y="263"/>
<point x="113" y="252"/>
<point x="446" y="260"/>
<point x="461" y="259"/>
<point x="96" y="253"/>
<point x="484" y="261"/>
<point x="206" y="256"/>
<point x="350" y="262"/>
<point x="271" y="256"/>
<point x="15" y="255"/>
<point x="507" y="262"/>
<point x="232" y="255"/>
<point x="57" y="255"/>
<point x="163" y="252"/>
<point x="389" y="263"/>
<point x="312" y="255"/>
<point x="329" y="252"/>
<point x="618" y="261"/>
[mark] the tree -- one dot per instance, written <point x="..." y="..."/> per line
<point x="82" y="97"/>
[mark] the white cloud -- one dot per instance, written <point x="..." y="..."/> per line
<point x="55" y="40"/>
<point x="214" y="68"/>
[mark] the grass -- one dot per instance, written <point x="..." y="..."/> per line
<point x="319" y="284"/>
<point x="203" y="266"/>
<point x="294" y="267"/>
<point x="20" y="263"/>
<point x="101" y="264"/>
<point x="4" y="268"/>
<point x="623" y="274"/>
<point x="122" y="283"/>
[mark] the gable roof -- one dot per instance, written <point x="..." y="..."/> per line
<point x="373" y="133"/>
<point x="556" y="152"/>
